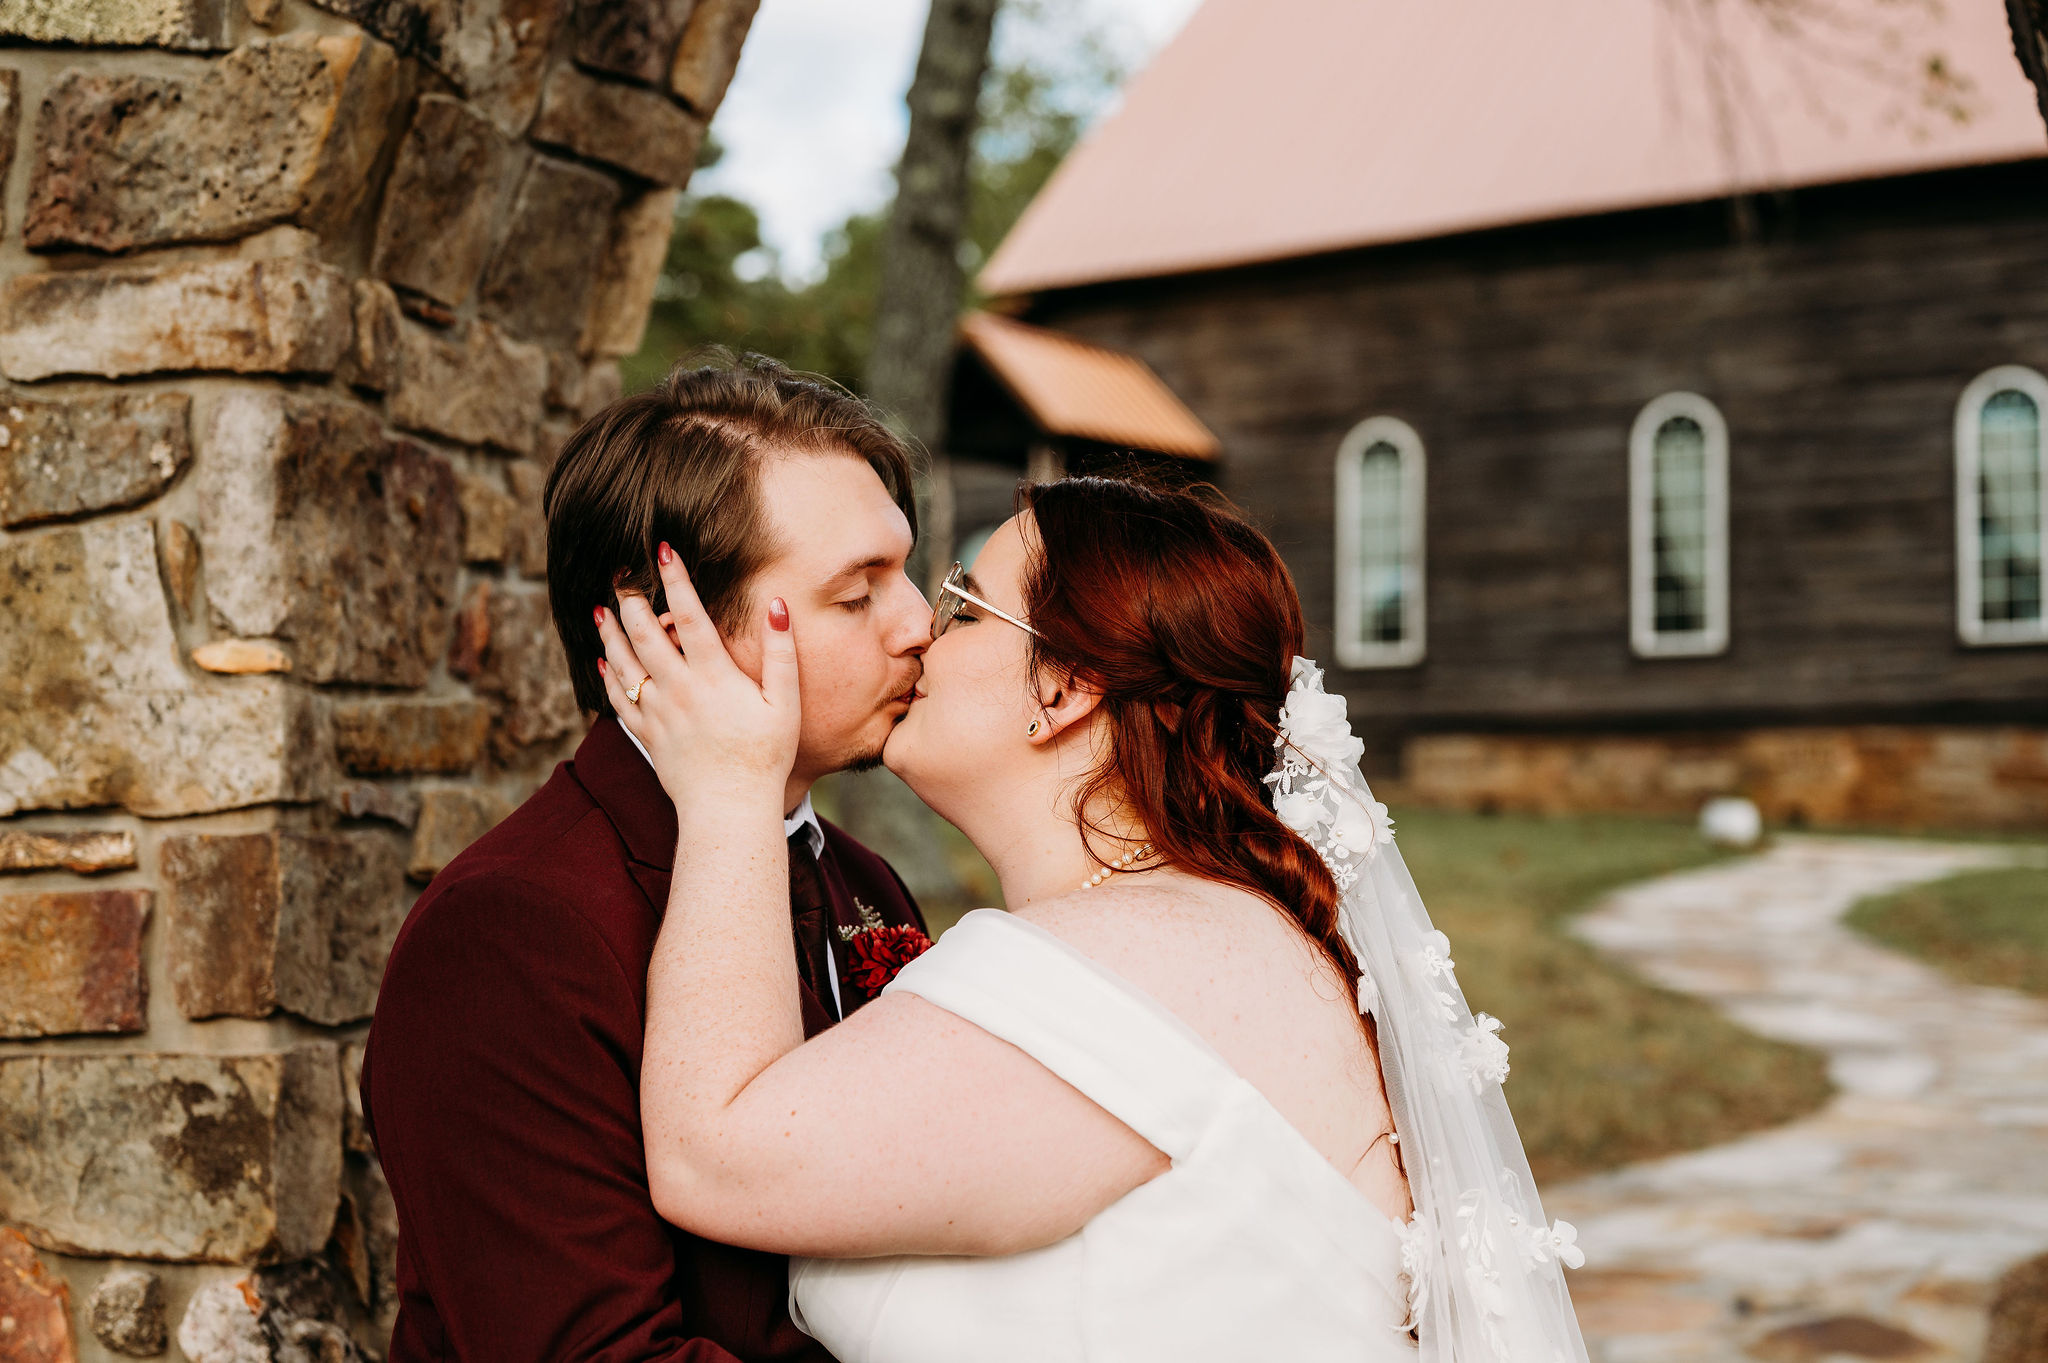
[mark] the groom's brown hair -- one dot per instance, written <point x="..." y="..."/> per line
<point x="680" y="463"/>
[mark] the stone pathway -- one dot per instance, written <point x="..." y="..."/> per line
<point x="1872" y="1229"/>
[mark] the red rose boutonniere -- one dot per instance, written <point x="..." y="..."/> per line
<point x="878" y="950"/>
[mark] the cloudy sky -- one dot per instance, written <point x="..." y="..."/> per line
<point x="815" y="118"/>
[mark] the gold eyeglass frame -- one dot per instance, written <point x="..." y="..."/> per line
<point x="951" y="594"/>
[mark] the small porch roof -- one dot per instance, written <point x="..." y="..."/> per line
<point x="1069" y="387"/>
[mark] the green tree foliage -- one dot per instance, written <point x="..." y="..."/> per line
<point x="722" y="286"/>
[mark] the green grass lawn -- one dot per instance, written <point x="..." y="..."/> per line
<point x="1983" y="927"/>
<point x="1607" y="1068"/>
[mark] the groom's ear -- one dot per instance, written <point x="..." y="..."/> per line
<point x="748" y="659"/>
<point x="1064" y="701"/>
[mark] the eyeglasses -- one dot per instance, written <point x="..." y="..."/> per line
<point x="952" y="596"/>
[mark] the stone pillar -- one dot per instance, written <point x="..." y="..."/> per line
<point x="296" y="302"/>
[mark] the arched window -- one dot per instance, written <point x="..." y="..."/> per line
<point x="1380" y="470"/>
<point x="2001" y="508"/>
<point x="1678" y="528"/>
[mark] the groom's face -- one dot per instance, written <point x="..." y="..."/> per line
<point x="861" y="625"/>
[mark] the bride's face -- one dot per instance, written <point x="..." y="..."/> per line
<point x="975" y="701"/>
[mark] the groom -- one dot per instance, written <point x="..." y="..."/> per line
<point x="501" y="1080"/>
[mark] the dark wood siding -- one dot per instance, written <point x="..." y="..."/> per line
<point x="1836" y="344"/>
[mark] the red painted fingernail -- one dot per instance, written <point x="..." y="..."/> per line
<point x="778" y="614"/>
<point x="664" y="553"/>
<point x="597" y="614"/>
<point x="600" y="667"/>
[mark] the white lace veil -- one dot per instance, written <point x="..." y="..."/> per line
<point x="1485" y="1269"/>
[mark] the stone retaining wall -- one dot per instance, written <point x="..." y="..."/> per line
<point x="296" y="302"/>
<point x="1879" y="776"/>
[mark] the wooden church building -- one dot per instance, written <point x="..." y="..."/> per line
<point x="1649" y="398"/>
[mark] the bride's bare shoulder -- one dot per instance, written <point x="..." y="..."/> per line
<point x="1146" y="929"/>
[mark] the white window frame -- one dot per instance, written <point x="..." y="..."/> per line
<point x="1353" y="649"/>
<point x="1970" y="627"/>
<point x="1644" y="637"/>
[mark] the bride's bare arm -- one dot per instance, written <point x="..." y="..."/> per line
<point x="903" y="1129"/>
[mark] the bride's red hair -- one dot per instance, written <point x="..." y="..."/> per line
<point x="1184" y="617"/>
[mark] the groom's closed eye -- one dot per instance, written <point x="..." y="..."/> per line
<point x="856" y="574"/>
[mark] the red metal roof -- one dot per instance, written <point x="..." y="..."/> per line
<point x="1071" y="387"/>
<point x="1276" y="128"/>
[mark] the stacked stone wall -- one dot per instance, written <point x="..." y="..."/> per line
<point x="297" y="301"/>
<point x="1873" y="776"/>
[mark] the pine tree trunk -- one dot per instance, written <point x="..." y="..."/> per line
<point x="909" y="367"/>
<point x="2029" y="19"/>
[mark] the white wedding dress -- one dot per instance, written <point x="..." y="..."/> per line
<point x="1251" y="1246"/>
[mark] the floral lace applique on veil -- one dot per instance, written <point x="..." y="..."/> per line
<point x="1483" y="1264"/>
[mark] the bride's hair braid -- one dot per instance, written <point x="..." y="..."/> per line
<point x="1184" y="617"/>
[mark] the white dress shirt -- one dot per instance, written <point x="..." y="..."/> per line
<point x="805" y="817"/>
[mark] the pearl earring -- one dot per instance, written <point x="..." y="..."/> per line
<point x="1032" y="732"/>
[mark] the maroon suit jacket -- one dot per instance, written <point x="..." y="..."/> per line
<point x="501" y="1085"/>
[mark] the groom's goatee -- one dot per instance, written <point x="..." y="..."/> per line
<point x="866" y="762"/>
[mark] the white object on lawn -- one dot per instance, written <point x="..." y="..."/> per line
<point x="1732" y="822"/>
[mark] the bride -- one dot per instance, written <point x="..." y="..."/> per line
<point x="1207" y="1090"/>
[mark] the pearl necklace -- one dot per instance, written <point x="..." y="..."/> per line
<point x="1122" y="863"/>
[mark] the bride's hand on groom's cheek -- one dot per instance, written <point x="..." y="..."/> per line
<point x="712" y="731"/>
